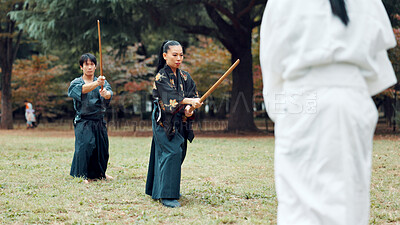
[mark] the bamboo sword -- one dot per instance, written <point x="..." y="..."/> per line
<point x="219" y="81"/>
<point x="101" y="60"/>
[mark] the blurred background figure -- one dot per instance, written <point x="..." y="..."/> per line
<point x="29" y="115"/>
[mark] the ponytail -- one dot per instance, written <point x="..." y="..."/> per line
<point x="339" y="9"/>
<point x="164" y="49"/>
<point x="161" y="60"/>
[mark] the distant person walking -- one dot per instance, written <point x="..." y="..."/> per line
<point x="91" y="138"/>
<point x="321" y="63"/>
<point x="29" y="115"/>
<point x="174" y="92"/>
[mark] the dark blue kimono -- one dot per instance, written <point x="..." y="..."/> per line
<point x="91" y="138"/>
<point x="171" y="130"/>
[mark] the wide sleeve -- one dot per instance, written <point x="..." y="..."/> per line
<point x="191" y="89"/>
<point x="190" y="92"/>
<point x="271" y="53"/>
<point x="383" y="75"/>
<point x="167" y="93"/>
<point x="75" y="89"/>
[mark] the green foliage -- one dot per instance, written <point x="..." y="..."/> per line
<point x="225" y="20"/>
<point x="10" y="36"/>
<point x="72" y="25"/>
<point x="69" y="29"/>
<point x="75" y="22"/>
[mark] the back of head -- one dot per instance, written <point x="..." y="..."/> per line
<point x="87" y="56"/>
<point x="164" y="49"/>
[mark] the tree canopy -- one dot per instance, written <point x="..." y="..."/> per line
<point x="69" y="29"/>
<point x="71" y="25"/>
<point x="232" y="23"/>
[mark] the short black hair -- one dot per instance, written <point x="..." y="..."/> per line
<point x="87" y="56"/>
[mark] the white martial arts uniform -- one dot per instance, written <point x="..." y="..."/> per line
<point x="319" y="76"/>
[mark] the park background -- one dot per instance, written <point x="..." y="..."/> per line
<point x="41" y="42"/>
<point x="227" y="176"/>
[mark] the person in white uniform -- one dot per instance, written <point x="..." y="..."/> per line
<point x="321" y="62"/>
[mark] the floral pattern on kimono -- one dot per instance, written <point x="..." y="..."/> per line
<point x="170" y="90"/>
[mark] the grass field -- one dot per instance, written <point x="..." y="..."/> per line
<point x="224" y="181"/>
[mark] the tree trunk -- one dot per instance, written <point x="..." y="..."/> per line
<point x="8" y="53"/>
<point x="241" y="105"/>
<point x="233" y="30"/>
<point x="6" y="70"/>
<point x="6" y="107"/>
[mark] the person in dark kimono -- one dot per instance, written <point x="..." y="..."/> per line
<point x="174" y="92"/>
<point x="91" y="138"/>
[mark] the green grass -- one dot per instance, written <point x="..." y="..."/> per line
<point x="224" y="181"/>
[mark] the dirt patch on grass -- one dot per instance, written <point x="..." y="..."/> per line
<point x="383" y="131"/>
<point x="70" y="133"/>
<point x="215" y="134"/>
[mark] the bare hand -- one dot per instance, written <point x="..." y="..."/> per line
<point x="104" y="93"/>
<point x="101" y="80"/>
<point x="196" y="103"/>
<point x="187" y="112"/>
